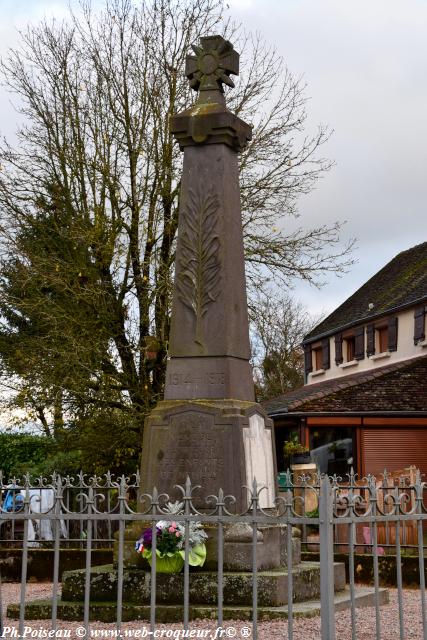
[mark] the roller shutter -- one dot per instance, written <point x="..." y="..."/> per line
<point x="394" y="448"/>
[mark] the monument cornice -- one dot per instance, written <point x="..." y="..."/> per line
<point x="210" y="123"/>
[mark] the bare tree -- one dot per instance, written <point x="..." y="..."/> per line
<point x="279" y="325"/>
<point x="89" y="198"/>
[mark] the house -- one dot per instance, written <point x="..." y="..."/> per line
<point x="364" y="402"/>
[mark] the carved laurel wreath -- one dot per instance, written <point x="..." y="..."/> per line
<point x="199" y="273"/>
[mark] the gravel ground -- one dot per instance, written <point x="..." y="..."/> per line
<point x="308" y="629"/>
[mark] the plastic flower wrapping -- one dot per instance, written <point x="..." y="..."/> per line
<point x="170" y="542"/>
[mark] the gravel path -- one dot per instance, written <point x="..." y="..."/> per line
<point x="308" y="629"/>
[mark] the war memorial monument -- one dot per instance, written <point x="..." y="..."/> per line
<point x="208" y="427"/>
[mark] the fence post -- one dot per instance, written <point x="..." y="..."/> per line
<point x="326" y="529"/>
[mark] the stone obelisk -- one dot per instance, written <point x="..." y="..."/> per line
<point x="208" y="425"/>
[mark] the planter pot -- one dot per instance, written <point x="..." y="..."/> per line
<point x="174" y="562"/>
<point x="301" y="458"/>
<point x="168" y="564"/>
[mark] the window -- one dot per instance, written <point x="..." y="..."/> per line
<point x="318" y="358"/>
<point x="333" y="449"/>
<point x="350" y="347"/>
<point x="350" y="344"/>
<point x="381" y="339"/>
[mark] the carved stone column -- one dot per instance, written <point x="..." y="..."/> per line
<point x="209" y="426"/>
<point x="209" y="341"/>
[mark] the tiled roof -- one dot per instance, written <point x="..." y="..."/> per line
<point x="401" y="282"/>
<point x="397" y="387"/>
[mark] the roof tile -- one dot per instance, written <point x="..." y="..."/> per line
<point x="401" y="386"/>
<point x="401" y="282"/>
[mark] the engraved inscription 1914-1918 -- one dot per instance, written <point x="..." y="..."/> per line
<point x="194" y="378"/>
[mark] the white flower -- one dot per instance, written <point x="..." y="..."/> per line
<point x="196" y="533"/>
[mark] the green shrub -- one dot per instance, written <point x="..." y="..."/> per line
<point x="21" y="452"/>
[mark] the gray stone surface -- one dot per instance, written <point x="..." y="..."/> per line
<point x="209" y="339"/>
<point x="205" y="378"/>
<point x="283" y="545"/>
<point x="270" y="553"/>
<point x="40" y="562"/>
<point x="241" y="532"/>
<point x="205" y="440"/>
<point x="107" y="611"/>
<point x="208" y="426"/>
<point x="272" y="586"/>
<point x="259" y="460"/>
<point x="208" y="121"/>
<point x="271" y="550"/>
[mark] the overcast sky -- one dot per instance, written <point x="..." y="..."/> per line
<point x="365" y="62"/>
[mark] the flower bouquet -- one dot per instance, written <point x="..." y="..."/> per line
<point x="170" y="543"/>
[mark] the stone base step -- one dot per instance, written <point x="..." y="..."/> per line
<point x="364" y="597"/>
<point x="272" y="586"/>
<point x="106" y="611"/>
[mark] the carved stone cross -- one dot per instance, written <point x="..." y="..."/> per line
<point x="212" y="65"/>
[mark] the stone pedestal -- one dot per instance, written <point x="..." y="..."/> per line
<point x="217" y="443"/>
<point x="238" y="552"/>
<point x="203" y="594"/>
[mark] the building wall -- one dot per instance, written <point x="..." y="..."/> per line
<point x="405" y="349"/>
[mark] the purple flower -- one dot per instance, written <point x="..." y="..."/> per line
<point x="147" y="537"/>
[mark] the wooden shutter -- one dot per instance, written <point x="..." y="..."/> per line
<point x="392" y="334"/>
<point x="308" y="364"/>
<point x="359" y="343"/>
<point x="370" y="340"/>
<point x="326" y="354"/>
<point x="338" y="348"/>
<point x="419" y="325"/>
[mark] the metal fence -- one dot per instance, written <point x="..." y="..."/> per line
<point x="42" y="493"/>
<point x="391" y="490"/>
<point x="335" y="508"/>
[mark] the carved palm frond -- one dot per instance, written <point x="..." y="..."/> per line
<point x="199" y="273"/>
